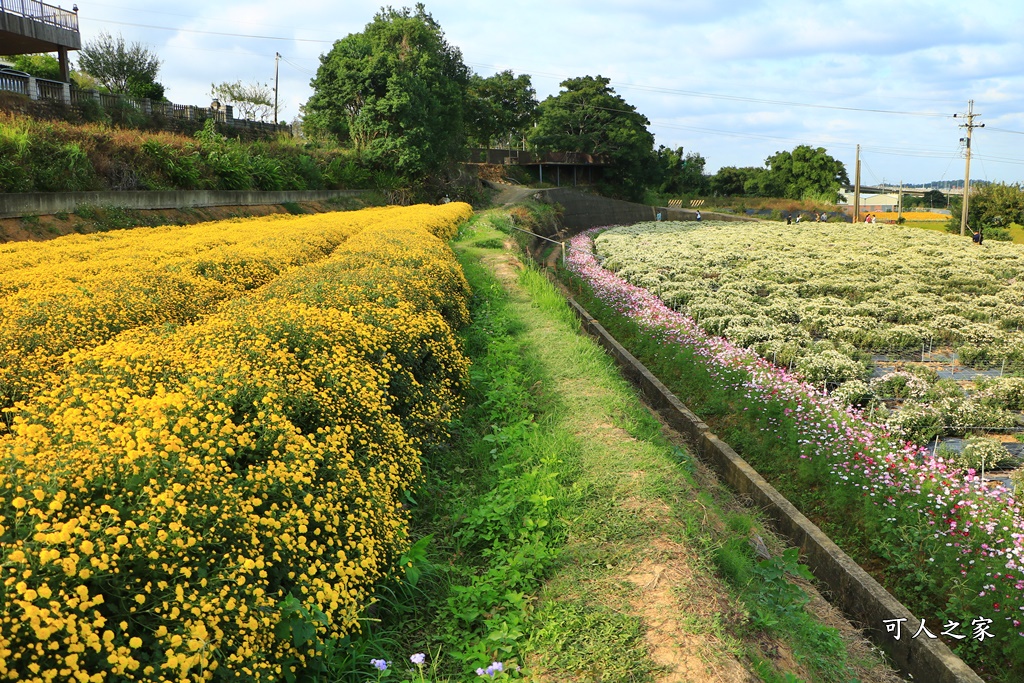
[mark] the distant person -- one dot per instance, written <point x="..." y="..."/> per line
<point x="824" y="217"/>
<point x="798" y="217"/>
<point x="817" y="217"/>
<point x="698" y="214"/>
<point x="789" y="219"/>
<point x="446" y="200"/>
<point x="867" y="219"/>
<point x="977" y="237"/>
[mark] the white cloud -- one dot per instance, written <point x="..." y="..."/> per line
<point x="914" y="55"/>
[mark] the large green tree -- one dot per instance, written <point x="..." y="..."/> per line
<point x="682" y="173"/>
<point x="993" y="207"/>
<point x="587" y="116"/>
<point x="396" y="92"/>
<point x="731" y="181"/>
<point x="500" y="107"/>
<point x="806" y="172"/>
<point x="39" y="65"/>
<point x="122" y="68"/>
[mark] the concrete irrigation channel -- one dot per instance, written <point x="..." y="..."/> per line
<point x="852" y="589"/>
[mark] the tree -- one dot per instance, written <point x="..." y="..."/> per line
<point x="396" y="92"/>
<point x="731" y="181"/>
<point x="41" y="66"/>
<point x="124" y="69"/>
<point x="500" y="107"/>
<point x="933" y="199"/>
<point x="682" y="173"/>
<point x="587" y="116"/>
<point x="993" y="207"/>
<point x="253" y="101"/>
<point x="802" y="172"/>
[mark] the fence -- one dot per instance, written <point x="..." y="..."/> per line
<point x="58" y="91"/>
<point x="41" y="12"/>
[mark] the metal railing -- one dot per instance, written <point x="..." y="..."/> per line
<point x="57" y="91"/>
<point x="40" y="11"/>
<point x="13" y="82"/>
<point x="50" y="90"/>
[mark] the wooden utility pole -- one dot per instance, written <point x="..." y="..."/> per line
<point x="856" y="189"/>
<point x="277" y="58"/>
<point x="970" y="126"/>
<point x="899" y="205"/>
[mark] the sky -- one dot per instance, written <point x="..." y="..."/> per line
<point x="735" y="80"/>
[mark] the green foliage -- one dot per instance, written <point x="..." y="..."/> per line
<point x="682" y="173"/>
<point x="731" y="181"/>
<point x="121" y="68"/>
<point x="179" y="166"/>
<point x="396" y="92"/>
<point x="588" y="116"/>
<point x="41" y="66"/>
<point x="980" y="452"/>
<point x="499" y="107"/>
<point x="14" y="172"/>
<point x="993" y="208"/>
<point x="932" y="199"/>
<point x="775" y="598"/>
<point x="794" y="174"/>
<point x="60" y="167"/>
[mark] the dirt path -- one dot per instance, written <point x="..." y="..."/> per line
<point x="631" y="559"/>
<point x="650" y="574"/>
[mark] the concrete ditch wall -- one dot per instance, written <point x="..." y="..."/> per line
<point x="15" y="205"/>
<point x="852" y="589"/>
<point x="584" y="210"/>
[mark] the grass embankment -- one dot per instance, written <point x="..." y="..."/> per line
<point x="57" y="156"/>
<point x="89" y="219"/>
<point x="564" y="533"/>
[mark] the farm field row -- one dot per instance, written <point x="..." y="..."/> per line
<point x="82" y="290"/>
<point x="948" y="548"/>
<point x="221" y="493"/>
<point x="825" y="299"/>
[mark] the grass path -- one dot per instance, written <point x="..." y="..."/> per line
<point x="659" y="578"/>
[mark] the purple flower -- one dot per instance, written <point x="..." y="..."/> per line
<point x="379" y="664"/>
<point x="418" y="658"/>
<point x="494" y="668"/>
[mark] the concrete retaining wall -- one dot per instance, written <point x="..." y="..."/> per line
<point x="852" y="589"/>
<point x="583" y="210"/>
<point x="14" y="205"/>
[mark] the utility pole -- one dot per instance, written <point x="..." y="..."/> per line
<point x="277" y="59"/>
<point x="970" y="126"/>
<point x="856" y="189"/>
<point x="899" y="205"/>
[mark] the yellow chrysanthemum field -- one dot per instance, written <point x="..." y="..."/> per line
<point x="209" y="431"/>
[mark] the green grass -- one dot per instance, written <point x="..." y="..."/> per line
<point x="535" y="525"/>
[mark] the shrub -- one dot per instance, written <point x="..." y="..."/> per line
<point x="217" y="499"/>
<point x="830" y="366"/>
<point x="853" y="392"/>
<point x="980" y="451"/>
<point x="899" y="384"/>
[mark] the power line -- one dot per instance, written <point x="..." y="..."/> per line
<point x="1006" y="130"/>
<point x="188" y="16"/>
<point x="211" y="33"/>
<point x="646" y="88"/>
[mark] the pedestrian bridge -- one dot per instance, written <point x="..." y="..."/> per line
<point x="30" y="26"/>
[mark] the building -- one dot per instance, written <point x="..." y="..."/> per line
<point x="30" y="27"/>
